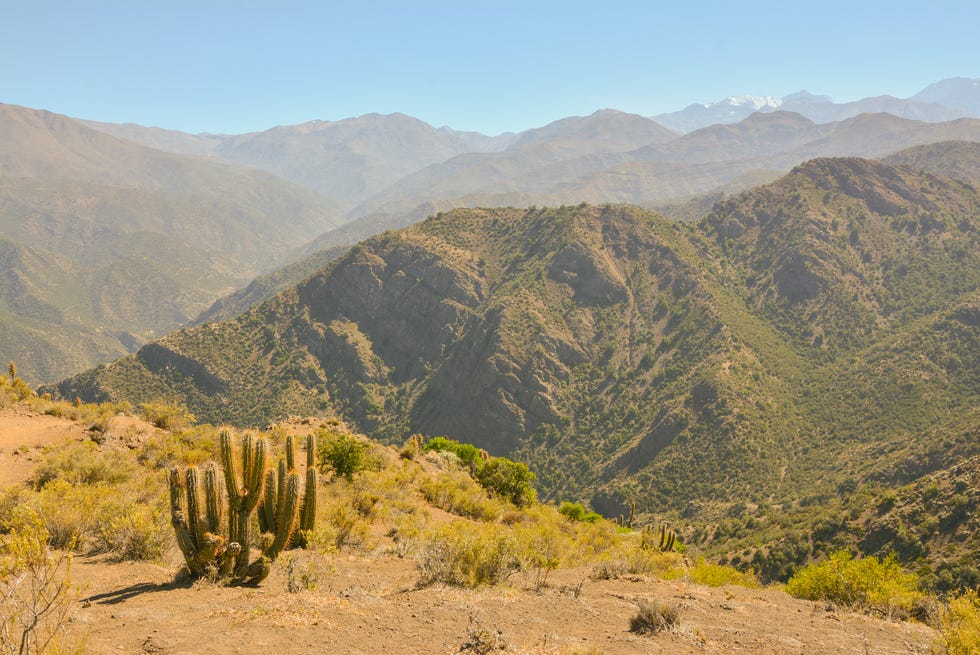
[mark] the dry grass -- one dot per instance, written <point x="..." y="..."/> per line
<point x="653" y="617"/>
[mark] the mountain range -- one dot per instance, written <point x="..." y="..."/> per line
<point x="158" y="226"/>
<point x="706" y="370"/>
<point x="949" y="99"/>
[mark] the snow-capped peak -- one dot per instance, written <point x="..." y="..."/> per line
<point x="758" y="102"/>
<point x="755" y="102"/>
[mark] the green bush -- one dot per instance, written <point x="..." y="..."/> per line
<point x="500" y="476"/>
<point x="577" y="512"/>
<point x="507" y="479"/>
<point x="468" y="454"/>
<point x="867" y="583"/>
<point x="343" y="454"/>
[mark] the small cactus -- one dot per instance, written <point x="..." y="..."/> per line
<point x="13" y="370"/>
<point x="665" y="543"/>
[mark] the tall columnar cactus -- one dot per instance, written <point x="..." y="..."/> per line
<point x="667" y="538"/>
<point x="198" y="535"/>
<point x="665" y="543"/>
<point x="629" y="522"/>
<point x="307" y="512"/>
<point x="244" y="483"/>
<point x="284" y="517"/>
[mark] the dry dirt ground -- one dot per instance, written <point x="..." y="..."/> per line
<point x="368" y="603"/>
<point x="23" y="434"/>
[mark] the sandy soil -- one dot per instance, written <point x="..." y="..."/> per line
<point x="370" y="605"/>
<point x="23" y="434"/>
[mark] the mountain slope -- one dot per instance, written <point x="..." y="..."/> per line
<point x="535" y="162"/>
<point x="550" y="172"/>
<point x="712" y="371"/>
<point x="518" y="316"/>
<point x="957" y="92"/>
<point x="839" y="252"/>
<point x="58" y="168"/>
<point x="959" y="160"/>
<point x="43" y="312"/>
<point x="151" y="238"/>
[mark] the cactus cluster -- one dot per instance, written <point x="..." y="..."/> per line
<point x="665" y="544"/>
<point x="627" y="522"/>
<point x="278" y="516"/>
<point x="213" y="526"/>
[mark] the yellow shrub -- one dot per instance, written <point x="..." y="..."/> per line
<point x="959" y="624"/>
<point x="133" y="531"/>
<point x="167" y="416"/>
<point x="36" y="595"/>
<point x="541" y="548"/>
<point x="70" y="512"/>
<point x="457" y="493"/>
<point x="82" y="463"/>
<point x="636" y="562"/>
<point x="466" y="555"/>
<point x="717" y="575"/>
<point x="869" y="583"/>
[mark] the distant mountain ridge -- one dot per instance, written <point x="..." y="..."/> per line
<point x="943" y="101"/>
<point x="345" y="160"/>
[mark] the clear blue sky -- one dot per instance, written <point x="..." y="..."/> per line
<point x="237" y="66"/>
